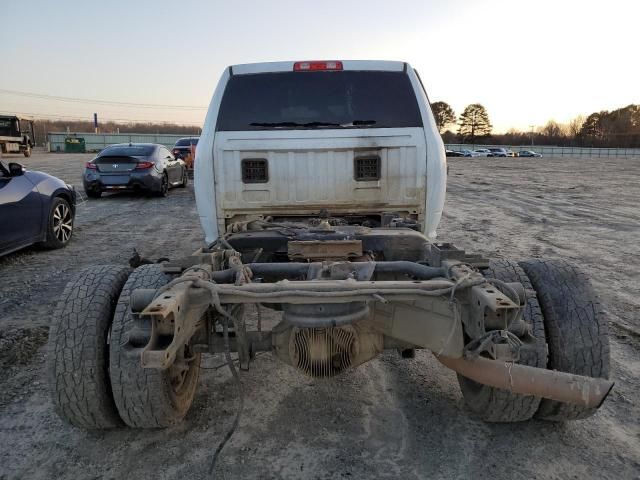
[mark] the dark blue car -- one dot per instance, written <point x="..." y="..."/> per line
<point x="34" y="208"/>
<point x="135" y="167"/>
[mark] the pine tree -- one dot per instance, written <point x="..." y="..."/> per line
<point x="474" y="122"/>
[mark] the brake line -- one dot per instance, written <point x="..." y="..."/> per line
<point x="236" y="376"/>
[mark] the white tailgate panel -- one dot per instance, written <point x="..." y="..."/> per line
<point x="310" y="169"/>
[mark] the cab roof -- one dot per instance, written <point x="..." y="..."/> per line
<point x="268" y="67"/>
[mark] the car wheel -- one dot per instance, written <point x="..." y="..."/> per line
<point x="78" y="347"/>
<point x="576" y="328"/>
<point x="164" y="186"/>
<point x="60" y="224"/>
<point x="493" y="404"/>
<point x="147" y="397"/>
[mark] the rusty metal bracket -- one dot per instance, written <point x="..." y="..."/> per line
<point x="490" y="309"/>
<point x="324" y="250"/>
<point x="175" y="315"/>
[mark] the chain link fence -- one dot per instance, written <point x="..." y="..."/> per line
<point x="96" y="142"/>
<point x="550" y="151"/>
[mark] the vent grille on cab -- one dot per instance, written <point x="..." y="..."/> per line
<point x="367" y="168"/>
<point x="255" y="170"/>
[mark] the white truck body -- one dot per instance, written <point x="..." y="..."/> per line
<point x="313" y="169"/>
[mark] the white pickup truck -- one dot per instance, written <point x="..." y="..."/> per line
<point x="319" y="186"/>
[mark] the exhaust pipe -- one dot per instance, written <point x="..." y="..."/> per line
<point x="552" y="384"/>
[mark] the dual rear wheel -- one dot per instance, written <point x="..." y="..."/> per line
<point x="94" y="348"/>
<point x="568" y="333"/>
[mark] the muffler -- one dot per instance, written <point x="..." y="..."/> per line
<point x="552" y="384"/>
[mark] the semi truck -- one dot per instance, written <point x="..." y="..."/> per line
<point x="16" y="134"/>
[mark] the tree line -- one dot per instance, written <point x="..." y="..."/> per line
<point x="618" y="128"/>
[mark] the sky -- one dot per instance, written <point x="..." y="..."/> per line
<point x="526" y="61"/>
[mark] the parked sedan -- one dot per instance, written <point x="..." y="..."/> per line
<point x="529" y="153"/>
<point x="34" y="208"/>
<point x="470" y="153"/>
<point x="453" y="153"/>
<point x="135" y="167"/>
<point x="482" y="152"/>
<point x="497" y="152"/>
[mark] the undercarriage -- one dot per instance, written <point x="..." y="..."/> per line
<point x="345" y="294"/>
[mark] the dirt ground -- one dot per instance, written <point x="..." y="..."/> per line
<point x="390" y="418"/>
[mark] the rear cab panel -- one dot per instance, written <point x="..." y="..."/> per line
<point x="278" y="141"/>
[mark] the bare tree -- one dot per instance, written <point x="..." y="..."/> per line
<point x="575" y="125"/>
<point x="552" y="130"/>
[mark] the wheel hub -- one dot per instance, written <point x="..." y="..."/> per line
<point x="62" y="223"/>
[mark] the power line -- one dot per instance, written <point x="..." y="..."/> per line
<point x="96" y="101"/>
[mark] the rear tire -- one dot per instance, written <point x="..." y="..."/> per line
<point x="93" y="193"/>
<point x="78" y="352"/>
<point x="493" y="404"/>
<point x="145" y="397"/>
<point x="185" y="178"/>
<point x="164" y="186"/>
<point x="576" y="329"/>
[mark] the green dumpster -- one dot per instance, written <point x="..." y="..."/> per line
<point x="74" y="145"/>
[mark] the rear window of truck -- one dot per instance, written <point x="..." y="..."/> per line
<point x="310" y="100"/>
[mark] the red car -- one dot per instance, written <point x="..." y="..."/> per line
<point x="185" y="148"/>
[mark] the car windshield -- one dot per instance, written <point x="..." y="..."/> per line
<point x="183" y="142"/>
<point x="5" y="127"/>
<point x="128" y="151"/>
<point x="345" y="99"/>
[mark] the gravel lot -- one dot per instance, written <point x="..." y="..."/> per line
<point x="390" y="418"/>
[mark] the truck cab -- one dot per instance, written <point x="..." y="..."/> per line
<point x="353" y="140"/>
<point x="16" y="134"/>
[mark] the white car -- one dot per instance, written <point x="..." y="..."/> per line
<point x="498" y="152"/>
<point x="482" y="152"/>
<point x="470" y="153"/>
<point x="529" y="153"/>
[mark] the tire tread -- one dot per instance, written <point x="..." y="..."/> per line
<point x="576" y="329"/>
<point x="77" y="353"/>
<point x="141" y="394"/>
<point x="497" y="405"/>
